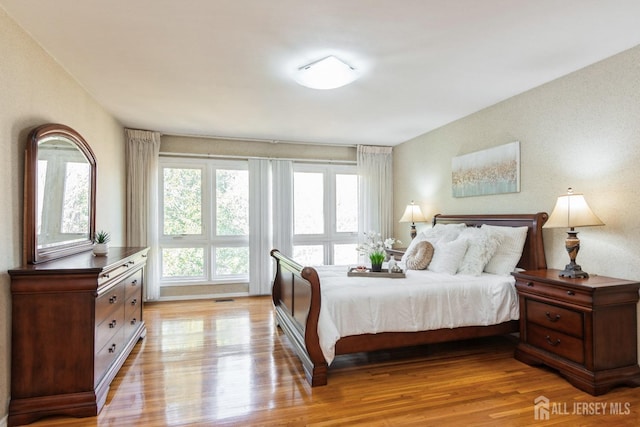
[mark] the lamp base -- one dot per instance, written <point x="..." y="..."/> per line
<point x="574" y="271"/>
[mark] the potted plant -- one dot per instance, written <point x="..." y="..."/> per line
<point x="374" y="247"/>
<point x="101" y="241"/>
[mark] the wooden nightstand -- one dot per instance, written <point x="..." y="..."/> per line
<point x="584" y="328"/>
<point x="396" y="253"/>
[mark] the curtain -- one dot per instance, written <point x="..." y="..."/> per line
<point x="375" y="172"/>
<point x="283" y="205"/>
<point x="260" y="220"/>
<point x="143" y="150"/>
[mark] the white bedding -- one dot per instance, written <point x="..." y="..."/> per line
<point x="424" y="300"/>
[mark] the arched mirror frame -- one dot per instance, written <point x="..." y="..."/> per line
<point x="33" y="254"/>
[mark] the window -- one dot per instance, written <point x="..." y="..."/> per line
<point x="325" y="212"/>
<point x="204" y="221"/>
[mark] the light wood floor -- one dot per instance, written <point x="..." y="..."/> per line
<point x="211" y="363"/>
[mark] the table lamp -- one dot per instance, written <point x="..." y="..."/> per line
<point x="572" y="211"/>
<point x="413" y="214"/>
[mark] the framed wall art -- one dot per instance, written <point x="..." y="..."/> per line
<point x="492" y="171"/>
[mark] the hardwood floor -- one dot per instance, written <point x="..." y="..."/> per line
<point x="206" y="363"/>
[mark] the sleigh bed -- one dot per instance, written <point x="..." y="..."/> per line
<point x="297" y="300"/>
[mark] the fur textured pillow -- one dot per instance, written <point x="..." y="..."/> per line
<point x="483" y="244"/>
<point x="420" y="256"/>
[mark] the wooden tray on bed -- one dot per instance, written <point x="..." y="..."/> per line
<point x="354" y="272"/>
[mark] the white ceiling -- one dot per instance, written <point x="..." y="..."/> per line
<point x="224" y="68"/>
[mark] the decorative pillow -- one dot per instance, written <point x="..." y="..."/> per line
<point x="483" y="244"/>
<point x="448" y="256"/>
<point x="506" y="258"/>
<point x="420" y="256"/>
<point x="435" y="234"/>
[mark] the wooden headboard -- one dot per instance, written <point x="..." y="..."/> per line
<point x="533" y="257"/>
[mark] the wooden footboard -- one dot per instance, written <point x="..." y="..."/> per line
<point x="296" y="298"/>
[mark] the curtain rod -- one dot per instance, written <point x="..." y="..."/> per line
<point x="232" y="157"/>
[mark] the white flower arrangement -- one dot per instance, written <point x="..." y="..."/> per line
<point x="374" y="247"/>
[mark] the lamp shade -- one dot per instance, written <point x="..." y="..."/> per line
<point x="413" y="213"/>
<point x="572" y="210"/>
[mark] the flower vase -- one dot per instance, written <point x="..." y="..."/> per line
<point x="376" y="268"/>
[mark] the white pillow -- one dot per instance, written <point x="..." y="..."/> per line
<point x="483" y="244"/>
<point x="447" y="256"/>
<point x="506" y="258"/>
<point x="439" y="232"/>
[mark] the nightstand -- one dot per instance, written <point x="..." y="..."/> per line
<point x="395" y="253"/>
<point x="586" y="329"/>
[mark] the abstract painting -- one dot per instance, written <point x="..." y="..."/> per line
<point x="491" y="171"/>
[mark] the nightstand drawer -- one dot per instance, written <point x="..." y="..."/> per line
<point x="556" y="342"/>
<point x="556" y="318"/>
<point x="555" y="292"/>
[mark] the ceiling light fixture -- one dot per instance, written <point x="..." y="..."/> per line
<point x="326" y="73"/>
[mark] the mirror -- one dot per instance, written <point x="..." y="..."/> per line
<point x="60" y="189"/>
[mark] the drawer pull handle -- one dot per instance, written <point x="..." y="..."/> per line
<point x="134" y="283"/>
<point x="571" y="293"/>
<point x="530" y="284"/>
<point x="134" y="321"/>
<point x="551" y="342"/>
<point x="106" y="276"/>
<point x="113" y="299"/>
<point x="112" y="324"/>
<point x="134" y="302"/>
<point x="552" y="318"/>
<point x="112" y="349"/>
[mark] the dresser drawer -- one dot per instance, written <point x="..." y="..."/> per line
<point x="133" y="284"/>
<point x="108" y="302"/>
<point x="133" y="310"/>
<point x="563" y="345"/>
<point x="555" y="317"/>
<point x="109" y="327"/>
<point x="107" y="354"/>
<point x="555" y="292"/>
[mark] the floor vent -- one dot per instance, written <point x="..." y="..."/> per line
<point x="224" y="300"/>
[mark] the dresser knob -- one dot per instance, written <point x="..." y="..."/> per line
<point x="106" y="276"/>
<point x="548" y="338"/>
<point x="134" y="283"/>
<point x="134" y="301"/>
<point x="113" y="299"/>
<point x="112" y="324"/>
<point x="112" y="349"/>
<point x="133" y="321"/>
<point x="552" y="318"/>
<point x="571" y="293"/>
<point x="530" y="284"/>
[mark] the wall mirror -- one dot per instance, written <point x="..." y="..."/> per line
<point x="59" y="194"/>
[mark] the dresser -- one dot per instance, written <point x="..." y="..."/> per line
<point x="586" y="329"/>
<point x="74" y="322"/>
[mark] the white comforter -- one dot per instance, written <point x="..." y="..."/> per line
<point x="422" y="301"/>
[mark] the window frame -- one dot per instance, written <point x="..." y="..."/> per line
<point x="330" y="236"/>
<point x="208" y="239"/>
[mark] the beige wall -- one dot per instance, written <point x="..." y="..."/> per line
<point x="34" y="90"/>
<point x="580" y="131"/>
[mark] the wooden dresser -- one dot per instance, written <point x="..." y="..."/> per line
<point x="584" y="328"/>
<point x="74" y="322"/>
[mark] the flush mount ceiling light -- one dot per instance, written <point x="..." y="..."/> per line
<point x="326" y="73"/>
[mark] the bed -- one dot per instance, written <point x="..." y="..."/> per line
<point x="297" y="298"/>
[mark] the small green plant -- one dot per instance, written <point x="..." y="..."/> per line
<point x="102" y="237"/>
